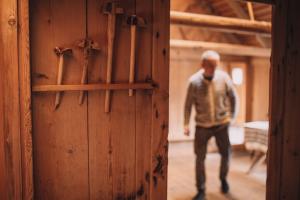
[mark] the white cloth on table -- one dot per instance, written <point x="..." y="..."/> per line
<point x="256" y="136"/>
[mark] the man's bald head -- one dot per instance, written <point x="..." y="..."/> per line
<point x="210" y="55"/>
<point x="210" y="61"/>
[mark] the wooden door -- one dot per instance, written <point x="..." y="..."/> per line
<point x="81" y="152"/>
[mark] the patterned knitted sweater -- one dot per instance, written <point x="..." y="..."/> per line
<point x="215" y="101"/>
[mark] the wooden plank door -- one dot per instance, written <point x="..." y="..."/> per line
<point x="81" y="152"/>
<point x="59" y="136"/>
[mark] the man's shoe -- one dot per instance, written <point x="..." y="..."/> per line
<point x="200" y="196"/>
<point x="224" y="186"/>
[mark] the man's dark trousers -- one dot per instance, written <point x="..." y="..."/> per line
<point x="202" y="137"/>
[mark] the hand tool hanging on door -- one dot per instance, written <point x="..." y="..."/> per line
<point x="111" y="10"/>
<point x="60" y="52"/>
<point x="133" y="21"/>
<point x="88" y="47"/>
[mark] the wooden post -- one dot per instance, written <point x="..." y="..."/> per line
<point x="283" y="160"/>
<point x="160" y="99"/>
<point x="10" y="107"/>
<point x="249" y="84"/>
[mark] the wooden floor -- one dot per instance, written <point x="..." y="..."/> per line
<point x="181" y="176"/>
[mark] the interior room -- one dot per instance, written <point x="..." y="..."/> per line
<point x="249" y="71"/>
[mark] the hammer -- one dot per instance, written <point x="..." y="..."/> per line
<point x="111" y="10"/>
<point x="133" y="21"/>
<point x="88" y="47"/>
<point x="60" y="52"/>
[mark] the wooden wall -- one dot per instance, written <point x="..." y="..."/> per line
<point x="61" y="133"/>
<point x="180" y="71"/>
<point x="10" y="155"/>
<point x="80" y="152"/>
<point x="284" y="161"/>
<point x="260" y="88"/>
<point x="3" y="189"/>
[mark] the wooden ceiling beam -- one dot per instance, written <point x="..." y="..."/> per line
<point x="260" y="1"/>
<point x="240" y="12"/>
<point x="221" y="23"/>
<point x="195" y="56"/>
<point x="207" y="5"/>
<point x="222" y="48"/>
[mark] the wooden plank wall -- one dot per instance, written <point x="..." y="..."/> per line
<point x="260" y="83"/>
<point x="160" y="100"/>
<point x="3" y="188"/>
<point x="79" y="152"/>
<point x="120" y="155"/>
<point x="10" y="107"/>
<point x="25" y="100"/>
<point x="284" y="161"/>
<point x="61" y="133"/>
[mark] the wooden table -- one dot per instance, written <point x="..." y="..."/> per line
<point x="256" y="141"/>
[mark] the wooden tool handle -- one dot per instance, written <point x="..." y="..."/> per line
<point x="132" y="56"/>
<point x="83" y="80"/>
<point x="59" y="79"/>
<point x="111" y="36"/>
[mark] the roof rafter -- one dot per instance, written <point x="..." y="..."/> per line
<point x="231" y="37"/>
<point x="240" y="12"/>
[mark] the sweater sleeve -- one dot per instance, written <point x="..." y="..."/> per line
<point x="188" y="104"/>
<point x="233" y="98"/>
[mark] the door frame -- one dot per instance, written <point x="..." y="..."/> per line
<point x="19" y="130"/>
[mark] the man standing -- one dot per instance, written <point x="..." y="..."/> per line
<point x="212" y="93"/>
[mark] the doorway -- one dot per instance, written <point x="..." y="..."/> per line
<point x="249" y="71"/>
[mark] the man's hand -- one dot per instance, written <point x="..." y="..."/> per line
<point x="187" y="131"/>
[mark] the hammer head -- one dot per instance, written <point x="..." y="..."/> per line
<point x="133" y="20"/>
<point x="112" y="8"/>
<point x="62" y="51"/>
<point x="88" y="46"/>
